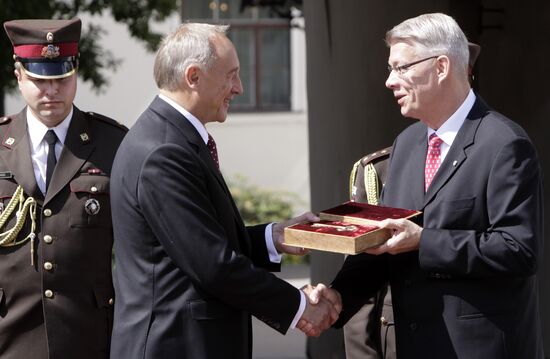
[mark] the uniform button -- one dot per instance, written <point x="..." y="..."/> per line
<point x="413" y="326"/>
<point x="47" y="212"/>
<point x="48" y="293"/>
<point x="111" y="301"/>
<point x="48" y="239"/>
<point x="93" y="189"/>
<point x="408" y="282"/>
<point x="48" y="266"/>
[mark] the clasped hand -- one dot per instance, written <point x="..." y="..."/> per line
<point x="322" y="309"/>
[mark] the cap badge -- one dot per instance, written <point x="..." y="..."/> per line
<point x="50" y="51"/>
<point x="84" y="137"/>
<point x="92" y="206"/>
<point x="49" y="37"/>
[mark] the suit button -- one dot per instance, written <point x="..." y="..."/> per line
<point x="48" y="266"/>
<point x="47" y="212"/>
<point x="413" y="326"/>
<point x="111" y="301"/>
<point x="48" y="239"/>
<point x="93" y="189"/>
<point x="48" y="293"/>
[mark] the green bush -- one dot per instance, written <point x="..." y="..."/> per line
<point x="260" y="205"/>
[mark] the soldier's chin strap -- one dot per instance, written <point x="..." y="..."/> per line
<point x="9" y="237"/>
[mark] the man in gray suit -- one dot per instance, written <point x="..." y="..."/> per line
<point x="463" y="279"/>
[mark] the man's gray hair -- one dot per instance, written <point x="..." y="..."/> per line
<point x="433" y="35"/>
<point x="189" y="44"/>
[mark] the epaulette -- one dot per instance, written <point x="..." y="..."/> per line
<point x="107" y="120"/>
<point x="5" y="120"/>
<point x="368" y="176"/>
<point x="375" y="155"/>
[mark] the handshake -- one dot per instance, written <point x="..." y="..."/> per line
<point x="323" y="308"/>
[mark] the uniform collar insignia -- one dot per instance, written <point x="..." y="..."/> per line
<point x="9" y="141"/>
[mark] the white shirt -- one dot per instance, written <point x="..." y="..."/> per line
<point x="448" y="131"/>
<point x="39" y="147"/>
<point x="274" y="256"/>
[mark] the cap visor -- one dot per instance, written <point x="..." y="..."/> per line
<point x="49" y="70"/>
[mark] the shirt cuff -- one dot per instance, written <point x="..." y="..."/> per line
<point x="300" y="311"/>
<point x="274" y="256"/>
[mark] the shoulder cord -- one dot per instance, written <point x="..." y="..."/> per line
<point x="9" y="237"/>
<point x="352" y="179"/>
<point x="371" y="184"/>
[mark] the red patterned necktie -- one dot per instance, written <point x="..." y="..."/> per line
<point x="213" y="150"/>
<point x="433" y="159"/>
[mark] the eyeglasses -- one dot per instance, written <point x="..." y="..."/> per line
<point x="403" y="68"/>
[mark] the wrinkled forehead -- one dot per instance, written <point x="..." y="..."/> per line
<point x="225" y="51"/>
<point x="402" y="50"/>
<point x="222" y="45"/>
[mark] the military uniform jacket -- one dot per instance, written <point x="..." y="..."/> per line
<point x="188" y="272"/>
<point x="470" y="292"/>
<point x="62" y="306"/>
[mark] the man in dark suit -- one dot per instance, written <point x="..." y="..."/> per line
<point x="56" y="291"/>
<point x="463" y="279"/>
<point x="369" y="334"/>
<point x="188" y="272"/>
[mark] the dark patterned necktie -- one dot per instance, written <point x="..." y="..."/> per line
<point x="213" y="150"/>
<point x="51" y="140"/>
<point x="433" y="159"/>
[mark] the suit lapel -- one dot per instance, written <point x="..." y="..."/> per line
<point x="416" y="168"/>
<point x="78" y="146"/>
<point x="17" y="155"/>
<point x="205" y="155"/>
<point x="457" y="153"/>
<point x="179" y="121"/>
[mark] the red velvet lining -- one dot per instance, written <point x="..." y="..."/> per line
<point x="369" y="211"/>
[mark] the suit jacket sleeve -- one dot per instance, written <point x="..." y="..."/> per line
<point x="176" y="202"/>
<point x="260" y="253"/>
<point x="509" y="207"/>
<point x="359" y="279"/>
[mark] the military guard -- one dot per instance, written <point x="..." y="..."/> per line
<point x="56" y="292"/>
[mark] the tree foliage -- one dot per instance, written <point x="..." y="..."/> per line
<point x="95" y="62"/>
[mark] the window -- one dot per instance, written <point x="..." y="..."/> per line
<point x="263" y="46"/>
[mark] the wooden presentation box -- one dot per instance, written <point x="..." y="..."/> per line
<point x="349" y="228"/>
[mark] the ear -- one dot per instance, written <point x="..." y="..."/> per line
<point x="17" y="74"/>
<point x="443" y="67"/>
<point x="192" y="76"/>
